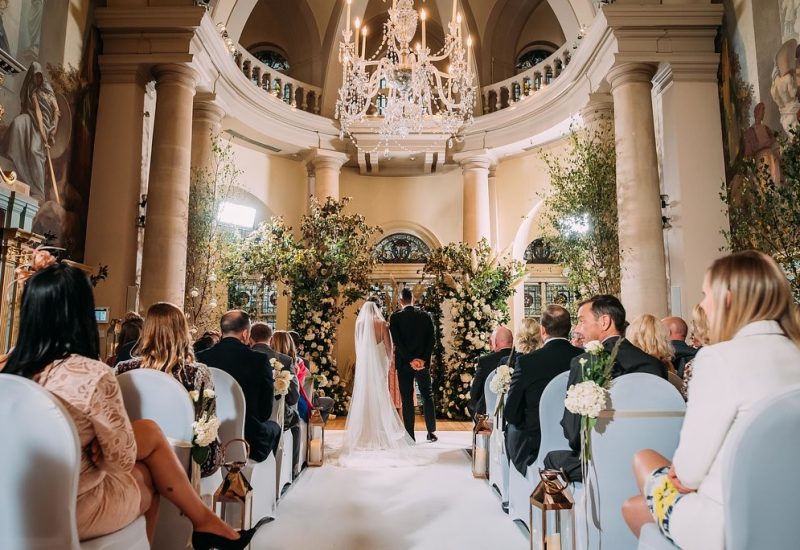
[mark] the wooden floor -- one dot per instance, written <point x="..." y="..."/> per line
<point x="419" y="425"/>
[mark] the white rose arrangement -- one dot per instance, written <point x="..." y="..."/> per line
<point x="206" y="427"/>
<point x="500" y="385"/>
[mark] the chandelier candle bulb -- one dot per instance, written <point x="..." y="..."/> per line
<point x="348" y="14"/>
<point x="364" y="43"/>
<point x="455" y="8"/>
<point x="469" y="50"/>
<point x="358" y="30"/>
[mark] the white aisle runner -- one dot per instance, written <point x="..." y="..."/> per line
<point x="438" y="506"/>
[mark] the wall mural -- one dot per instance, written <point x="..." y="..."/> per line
<point x="47" y="133"/>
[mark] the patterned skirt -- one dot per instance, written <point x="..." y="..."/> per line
<point x="661" y="496"/>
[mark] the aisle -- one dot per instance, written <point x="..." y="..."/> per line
<point x="434" y="507"/>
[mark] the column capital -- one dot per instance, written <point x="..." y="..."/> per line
<point x="206" y="109"/>
<point x="175" y="74"/>
<point x="325" y="158"/>
<point x="700" y="68"/>
<point x="599" y="108"/>
<point x="475" y="160"/>
<point x="122" y="71"/>
<point x="626" y="73"/>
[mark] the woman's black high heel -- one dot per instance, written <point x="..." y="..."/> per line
<point x="207" y="541"/>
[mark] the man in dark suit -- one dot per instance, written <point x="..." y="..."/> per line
<point x="413" y="335"/>
<point x="501" y="342"/>
<point x="677" y="335"/>
<point x="532" y="372"/>
<point x="254" y="374"/>
<point x="600" y="318"/>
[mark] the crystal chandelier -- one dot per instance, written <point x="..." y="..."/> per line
<point x="404" y="86"/>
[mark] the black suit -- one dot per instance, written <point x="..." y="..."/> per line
<point x="532" y="372"/>
<point x="254" y="374"/>
<point x="413" y="336"/>
<point x="683" y="354"/>
<point x="486" y="366"/>
<point x="630" y="359"/>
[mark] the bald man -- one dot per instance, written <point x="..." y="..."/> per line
<point x="501" y="342"/>
<point x="677" y="334"/>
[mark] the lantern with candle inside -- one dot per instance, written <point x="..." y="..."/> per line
<point x="551" y="497"/>
<point x="481" y="435"/>
<point x="316" y="439"/>
<point x="235" y="490"/>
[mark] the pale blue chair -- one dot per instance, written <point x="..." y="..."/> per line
<point x="760" y="480"/>
<point x="498" y="459"/>
<point x="646" y="412"/>
<point x="551" y="409"/>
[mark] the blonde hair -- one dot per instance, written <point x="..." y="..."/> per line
<point x="699" y="328"/>
<point x="165" y="341"/>
<point x="282" y="343"/>
<point x="528" y="337"/>
<point x="749" y="286"/>
<point x="651" y="336"/>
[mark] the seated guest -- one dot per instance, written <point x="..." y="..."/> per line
<point x="500" y="341"/>
<point x="755" y="354"/>
<point x="128" y="337"/>
<point x="677" y="334"/>
<point x="534" y="369"/>
<point x="699" y="337"/>
<point x="253" y="372"/>
<point x="284" y="345"/>
<point x="601" y="318"/>
<point x="125" y="467"/>
<point x="165" y="345"/>
<point x="203" y="343"/>
<point x="323" y="403"/>
<point x="649" y="335"/>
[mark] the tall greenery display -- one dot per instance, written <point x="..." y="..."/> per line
<point x="477" y="288"/>
<point x="580" y="220"/>
<point x="765" y="215"/>
<point x="325" y="269"/>
<point x="208" y="243"/>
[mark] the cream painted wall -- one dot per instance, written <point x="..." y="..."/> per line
<point x="543" y="25"/>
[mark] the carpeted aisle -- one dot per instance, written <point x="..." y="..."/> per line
<point x="438" y="506"/>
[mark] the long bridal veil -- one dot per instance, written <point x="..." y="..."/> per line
<point x="374" y="435"/>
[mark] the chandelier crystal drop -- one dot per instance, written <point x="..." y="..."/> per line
<point x="407" y="90"/>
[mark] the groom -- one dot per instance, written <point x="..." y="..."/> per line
<point x="413" y="334"/>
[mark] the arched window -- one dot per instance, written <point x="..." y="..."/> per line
<point x="531" y="58"/>
<point x="538" y="252"/>
<point x="258" y="299"/>
<point x="272" y="59"/>
<point x="402" y="248"/>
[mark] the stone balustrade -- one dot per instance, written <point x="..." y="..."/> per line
<point x="299" y="95"/>
<point x="506" y="93"/>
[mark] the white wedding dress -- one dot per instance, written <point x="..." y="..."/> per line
<point x="374" y="435"/>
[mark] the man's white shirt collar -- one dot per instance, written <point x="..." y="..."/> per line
<point x="556" y="338"/>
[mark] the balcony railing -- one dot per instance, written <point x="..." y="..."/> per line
<point x="297" y="94"/>
<point x="505" y="93"/>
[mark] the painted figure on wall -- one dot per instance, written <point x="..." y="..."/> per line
<point x="760" y="144"/>
<point x="32" y="133"/>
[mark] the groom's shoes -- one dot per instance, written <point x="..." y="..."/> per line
<point x="432" y="437"/>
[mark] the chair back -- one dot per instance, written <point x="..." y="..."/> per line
<point x="39" y="468"/>
<point x="308" y="386"/>
<point x="760" y="477"/>
<point x="489" y="396"/>
<point x="646" y="413"/>
<point x="551" y="410"/>
<point x="230" y="411"/>
<point x="156" y="395"/>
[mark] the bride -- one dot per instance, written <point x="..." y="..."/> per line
<point x="374" y="435"/>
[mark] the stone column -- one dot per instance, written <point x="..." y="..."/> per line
<point x="111" y="230"/>
<point x="311" y="185"/>
<point x="641" y="239"/>
<point x="327" y="168"/>
<point x="598" y="114"/>
<point x="686" y="103"/>
<point x="164" y="255"/>
<point x="477" y="217"/>
<point x="207" y="118"/>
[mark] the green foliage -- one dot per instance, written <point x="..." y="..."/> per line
<point x="477" y="288"/>
<point x="325" y="269"/>
<point x="764" y="215"/>
<point x="208" y="244"/>
<point x="580" y="221"/>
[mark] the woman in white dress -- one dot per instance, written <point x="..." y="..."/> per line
<point x="374" y="435"/>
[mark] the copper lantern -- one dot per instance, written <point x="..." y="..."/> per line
<point x="481" y="435"/>
<point x="316" y="439"/>
<point x="555" y="504"/>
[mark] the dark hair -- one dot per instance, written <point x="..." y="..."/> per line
<point x="203" y="343"/>
<point x="606" y="304"/>
<point x="56" y="320"/>
<point x="295" y="338"/>
<point x="234" y="322"/>
<point x="260" y="332"/>
<point x="406" y="295"/>
<point x="130" y="331"/>
<point x="556" y="321"/>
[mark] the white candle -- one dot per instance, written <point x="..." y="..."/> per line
<point x="315" y="451"/>
<point x="423" y="16"/>
<point x="358" y="29"/>
<point x="364" y="43"/>
<point x="348" y="14"/>
<point x="455" y="8"/>
<point x="458" y="31"/>
<point x="552" y="542"/>
<point x="481" y="460"/>
<point x="469" y="51"/>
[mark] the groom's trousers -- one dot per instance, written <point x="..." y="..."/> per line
<point x="405" y="379"/>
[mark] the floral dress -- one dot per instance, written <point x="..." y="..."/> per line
<point x="193" y="377"/>
<point x="108" y="495"/>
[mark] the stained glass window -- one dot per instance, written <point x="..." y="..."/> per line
<point x="531" y="58"/>
<point x="273" y="59"/>
<point x="538" y="252"/>
<point x="402" y="248"/>
<point x="533" y="300"/>
<point x="559" y="294"/>
<point x="258" y="299"/>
